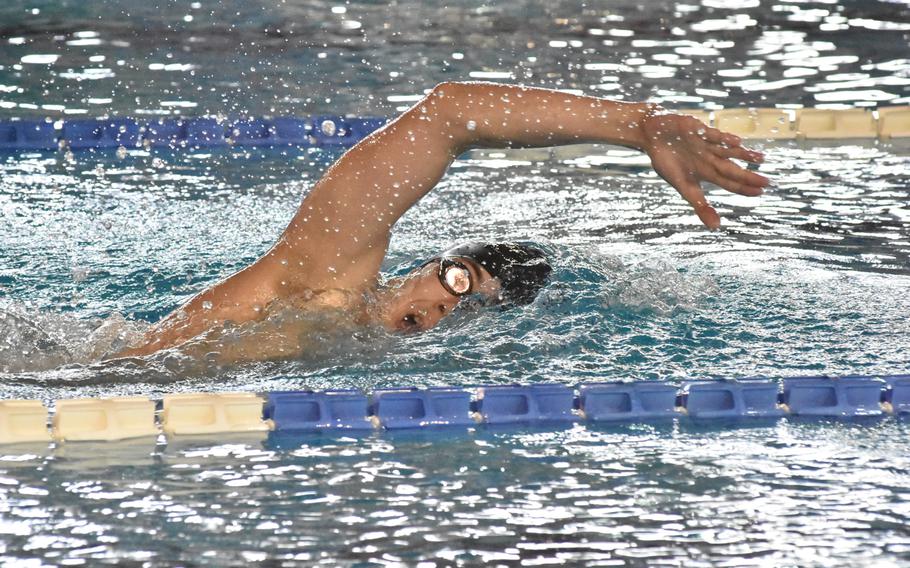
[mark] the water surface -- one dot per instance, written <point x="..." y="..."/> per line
<point x="810" y="278"/>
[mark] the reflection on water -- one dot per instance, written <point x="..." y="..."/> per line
<point x="315" y="57"/>
<point x="813" y="494"/>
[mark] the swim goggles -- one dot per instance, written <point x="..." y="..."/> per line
<point x="455" y="277"/>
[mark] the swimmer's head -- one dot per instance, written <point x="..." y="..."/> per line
<point x="504" y="274"/>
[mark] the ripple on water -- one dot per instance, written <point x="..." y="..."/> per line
<point x="810" y="278"/>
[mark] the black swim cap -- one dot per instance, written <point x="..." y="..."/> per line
<point x="521" y="270"/>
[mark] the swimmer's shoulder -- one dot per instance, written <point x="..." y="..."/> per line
<point x="326" y="299"/>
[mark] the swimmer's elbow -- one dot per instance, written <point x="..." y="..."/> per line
<point x="446" y="101"/>
<point x="441" y="98"/>
<point x="447" y="88"/>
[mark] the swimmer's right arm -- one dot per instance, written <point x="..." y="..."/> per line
<point x="342" y="228"/>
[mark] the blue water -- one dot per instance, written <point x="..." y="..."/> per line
<point x="810" y="278"/>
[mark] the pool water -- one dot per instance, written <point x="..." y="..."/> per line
<point x="810" y="278"/>
<point x="811" y="494"/>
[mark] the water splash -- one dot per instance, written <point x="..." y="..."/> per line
<point x="657" y="287"/>
<point x="33" y="340"/>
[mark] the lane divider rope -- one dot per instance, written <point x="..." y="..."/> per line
<point x="110" y="419"/>
<point x="883" y="123"/>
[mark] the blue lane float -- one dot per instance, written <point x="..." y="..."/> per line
<point x="251" y="132"/>
<point x="205" y="132"/>
<point x="410" y="407"/>
<point x="310" y="410"/>
<point x="548" y="402"/>
<point x="28" y="135"/>
<point x="110" y="133"/>
<point x="833" y="396"/>
<point x="747" y="398"/>
<point x="84" y="134"/>
<point x="627" y="401"/>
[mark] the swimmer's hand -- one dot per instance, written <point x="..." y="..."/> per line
<point x="686" y="152"/>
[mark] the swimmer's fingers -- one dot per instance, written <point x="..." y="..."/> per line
<point x="731" y="177"/>
<point x="722" y="138"/>
<point x="737" y="152"/>
<point x="687" y="185"/>
<point x="684" y="151"/>
<point x="692" y="193"/>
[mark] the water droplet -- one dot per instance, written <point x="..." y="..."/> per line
<point x="206" y="305"/>
<point x="121" y="152"/>
<point x="328" y="127"/>
<point x="472" y="125"/>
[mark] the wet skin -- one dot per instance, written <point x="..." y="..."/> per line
<point x="331" y="252"/>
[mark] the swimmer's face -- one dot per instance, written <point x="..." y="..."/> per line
<point x="419" y="301"/>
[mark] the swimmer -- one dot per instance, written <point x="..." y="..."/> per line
<point x="330" y="254"/>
